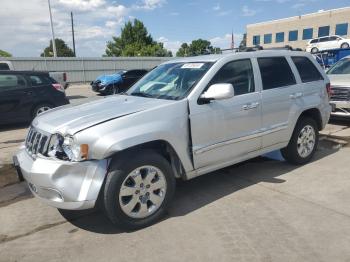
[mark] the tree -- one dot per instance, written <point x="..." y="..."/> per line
<point x="63" y="50"/>
<point x="243" y="43"/>
<point x="197" y="47"/>
<point x="135" y="40"/>
<point x="4" y="54"/>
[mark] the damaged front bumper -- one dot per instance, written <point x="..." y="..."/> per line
<point x="62" y="184"/>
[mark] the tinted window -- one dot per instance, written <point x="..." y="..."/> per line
<point x="324" y="39"/>
<point x="9" y="82"/>
<point x="333" y="38"/>
<point x="267" y="39"/>
<point x="37" y="80"/>
<point x="307" y="70"/>
<point x="307" y="33"/>
<point x="4" y="66"/>
<point x="341" y="29"/>
<point x="275" y="72"/>
<point x="341" y="67"/>
<point x="238" y="73"/>
<point x="280" y="37"/>
<point x="314" y="41"/>
<point x="323" y="31"/>
<point x="293" y="35"/>
<point x="256" y="40"/>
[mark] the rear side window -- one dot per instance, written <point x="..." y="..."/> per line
<point x="307" y="70"/>
<point x="238" y="73"/>
<point x="11" y="82"/>
<point x="275" y="72"/>
<point x="4" y="66"/>
<point x="38" y="80"/>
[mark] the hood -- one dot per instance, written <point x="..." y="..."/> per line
<point x="340" y="80"/>
<point x="72" y="119"/>
<point x="108" y="79"/>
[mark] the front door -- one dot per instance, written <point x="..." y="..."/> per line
<point x="224" y="130"/>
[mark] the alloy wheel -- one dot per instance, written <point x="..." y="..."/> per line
<point x="306" y="141"/>
<point x="142" y="192"/>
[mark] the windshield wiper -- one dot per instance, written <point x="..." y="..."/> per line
<point x="141" y="94"/>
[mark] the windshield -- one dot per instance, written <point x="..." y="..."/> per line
<point x="170" y="81"/>
<point x="340" y="68"/>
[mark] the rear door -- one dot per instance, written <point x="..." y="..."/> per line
<point x="16" y="98"/>
<point x="281" y="96"/>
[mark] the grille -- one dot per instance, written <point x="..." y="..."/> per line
<point x="36" y="142"/>
<point x="340" y="94"/>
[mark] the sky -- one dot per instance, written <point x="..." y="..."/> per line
<point x="25" y="28"/>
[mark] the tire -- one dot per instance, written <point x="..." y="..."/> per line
<point x="314" y="50"/>
<point x="40" y="109"/>
<point x="293" y="153"/>
<point x="114" y="89"/>
<point x="344" y="45"/>
<point x="134" y="209"/>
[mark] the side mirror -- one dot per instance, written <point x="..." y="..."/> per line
<point x="217" y="92"/>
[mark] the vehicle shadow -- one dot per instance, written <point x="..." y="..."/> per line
<point x="201" y="191"/>
<point x="76" y="97"/>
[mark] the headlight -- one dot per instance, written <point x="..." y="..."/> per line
<point x="65" y="148"/>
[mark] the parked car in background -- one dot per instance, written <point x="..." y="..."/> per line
<point x="327" y="58"/>
<point x="339" y="75"/>
<point x="119" y="82"/>
<point x="185" y="118"/>
<point x="327" y="42"/>
<point x="26" y="94"/>
<point x="60" y="77"/>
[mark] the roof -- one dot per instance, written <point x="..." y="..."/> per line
<point x="215" y="58"/>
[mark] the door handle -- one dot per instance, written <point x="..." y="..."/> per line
<point x="296" y="95"/>
<point x="250" y="106"/>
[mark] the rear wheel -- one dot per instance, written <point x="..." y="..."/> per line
<point x="303" y="143"/>
<point x="41" y="109"/>
<point x="138" y="190"/>
<point x="345" y="45"/>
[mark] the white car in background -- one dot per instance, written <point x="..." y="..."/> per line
<point x="339" y="74"/>
<point x="327" y="42"/>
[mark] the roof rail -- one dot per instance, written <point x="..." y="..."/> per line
<point x="259" y="48"/>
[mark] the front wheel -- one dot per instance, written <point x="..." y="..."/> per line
<point x="138" y="190"/>
<point x="314" y="50"/>
<point x="303" y="144"/>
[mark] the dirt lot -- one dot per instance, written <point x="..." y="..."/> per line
<point x="260" y="210"/>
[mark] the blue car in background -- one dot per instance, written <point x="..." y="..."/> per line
<point x="116" y="83"/>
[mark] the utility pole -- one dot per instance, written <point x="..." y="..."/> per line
<point x="71" y="17"/>
<point x="53" y="33"/>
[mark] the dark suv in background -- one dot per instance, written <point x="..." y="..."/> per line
<point x="25" y="94"/>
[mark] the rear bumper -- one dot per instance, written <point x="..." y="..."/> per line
<point x="341" y="108"/>
<point x="62" y="184"/>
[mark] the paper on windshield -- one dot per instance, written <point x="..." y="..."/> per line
<point x="192" y="65"/>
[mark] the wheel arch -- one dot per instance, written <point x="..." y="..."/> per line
<point x="162" y="147"/>
<point x="313" y="113"/>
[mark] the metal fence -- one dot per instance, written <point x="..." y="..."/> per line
<point x="85" y="69"/>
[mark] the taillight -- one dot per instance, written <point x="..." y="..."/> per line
<point x="329" y="90"/>
<point x="64" y="77"/>
<point x="58" y="87"/>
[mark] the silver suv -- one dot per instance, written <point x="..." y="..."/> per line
<point x="185" y="118"/>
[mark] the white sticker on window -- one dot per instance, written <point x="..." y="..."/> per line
<point x="193" y="65"/>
